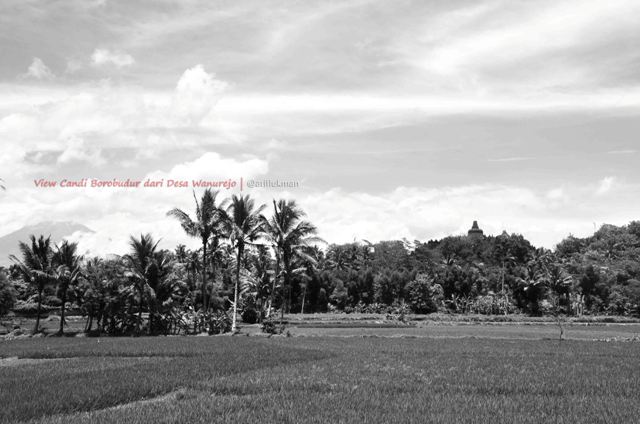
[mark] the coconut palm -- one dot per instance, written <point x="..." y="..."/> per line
<point x="208" y="224"/>
<point x="244" y="224"/>
<point x="95" y="293"/>
<point x="507" y="260"/>
<point x="289" y="235"/>
<point x="66" y="271"/>
<point x="535" y="277"/>
<point x="35" y="267"/>
<point x="141" y="263"/>
<point x="181" y="253"/>
<point x="560" y="282"/>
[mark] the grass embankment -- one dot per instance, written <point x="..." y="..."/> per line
<point x="518" y="319"/>
<point x="323" y="379"/>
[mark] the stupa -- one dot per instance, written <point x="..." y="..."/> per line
<point x="475" y="231"/>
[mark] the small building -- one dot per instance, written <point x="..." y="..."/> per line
<point x="475" y="231"/>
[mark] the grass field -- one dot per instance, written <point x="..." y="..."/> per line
<point x="491" y="377"/>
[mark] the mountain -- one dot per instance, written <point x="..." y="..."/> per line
<point x="57" y="231"/>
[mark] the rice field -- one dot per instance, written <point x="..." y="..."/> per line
<point x="383" y="377"/>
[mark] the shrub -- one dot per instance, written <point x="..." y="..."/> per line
<point x="31" y="309"/>
<point x="422" y="294"/>
<point x="270" y="326"/>
<point x="53" y="301"/>
<point x="491" y="304"/>
<point x="219" y="323"/>
<point x="7" y="294"/>
<point x="249" y="316"/>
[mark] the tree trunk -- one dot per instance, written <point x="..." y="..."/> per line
<point x="140" y="312"/>
<point x="285" y="285"/>
<point x="37" y="327"/>
<point x="273" y="287"/>
<point x="213" y="278"/>
<point x="506" y="302"/>
<point x="235" y="296"/>
<point x="150" y="320"/>
<point x="284" y="297"/>
<point x="204" y="276"/>
<point x="304" y="294"/>
<point x="64" y="301"/>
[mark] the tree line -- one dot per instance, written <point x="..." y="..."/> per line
<point x="255" y="261"/>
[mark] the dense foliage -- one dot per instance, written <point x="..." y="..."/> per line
<point x="252" y="262"/>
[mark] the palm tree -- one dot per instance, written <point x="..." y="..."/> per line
<point x="66" y="271"/>
<point x="181" y="253"/>
<point x="35" y="267"/>
<point x="535" y="278"/>
<point x="506" y="261"/>
<point x="560" y="282"/>
<point x="141" y="261"/>
<point x="208" y="223"/>
<point x="289" y="235"/>
<point x="94" y="294"/>
<point x="244" y="227"/>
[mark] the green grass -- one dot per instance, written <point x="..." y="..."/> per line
<point x="322" y="379"/>
<point x="97" y="373"/>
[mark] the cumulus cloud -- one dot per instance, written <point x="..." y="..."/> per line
<point x="116" y="213"/>
<point x="430" y="213"/>
<point x="78" y="150"/>
<point x="426" y="77"/>
<point x="211" y="165"/>
<point x="73" y="120"/>
<point x="605" y="185"/>
<point x="38" y="70"/>
<point x="556" y="194"/>
<point x="119" y="59"/>
<point x="196" y="93"/>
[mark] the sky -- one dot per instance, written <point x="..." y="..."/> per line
<point x="404" y="119"/>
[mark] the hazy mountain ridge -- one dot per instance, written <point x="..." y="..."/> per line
<point x="57" y="230"/>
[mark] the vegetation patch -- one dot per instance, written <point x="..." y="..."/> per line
<point x="99" y="373"/>
<point x="375" y="380"/>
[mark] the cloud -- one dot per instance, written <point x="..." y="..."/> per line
<point x="494" y="41"/>
<point x="430" y="213"/>
<point x="101" y="57"/>
<point x="511" y="159"/>
<point x="605" y="185"/>
<point x="213" y="166"/>
<point x="78" y="150"/>
<point x="556" y="194"/>
<point x="196" y="93"/>
<point x="414" y="92"/>
<point x="74" y="120"/>
<point x="622" y="152"/>
<point x="116" y="213"/>
<point x="38" y="70"/>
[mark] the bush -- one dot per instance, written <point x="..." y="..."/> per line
<point x="249" y="316"/>
<point x="53" y="301"/>
<point x="491" y="304"/>
<point x="31" y="309"/>
<point x="423" y="295"/>
<point x="217" y="322"/>
<point x="271" y="327"/>
<point x="7" y="295"/>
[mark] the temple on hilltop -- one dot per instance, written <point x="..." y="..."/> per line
<point x="475" y="231"/>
